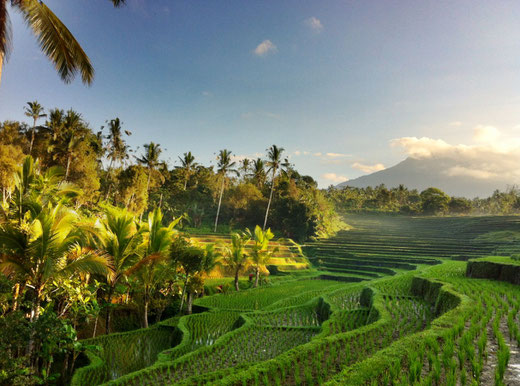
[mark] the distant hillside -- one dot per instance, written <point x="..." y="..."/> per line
<point x="437" y="172"/>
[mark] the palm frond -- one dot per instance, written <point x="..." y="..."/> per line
<point x="143" y="263"/>
<point x="57" y="42"/>
<point x="5" y="32"/>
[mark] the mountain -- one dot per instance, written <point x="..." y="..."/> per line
<point x="447" y="174"/>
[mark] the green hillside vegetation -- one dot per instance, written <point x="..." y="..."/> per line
<point x="431" y="201"/>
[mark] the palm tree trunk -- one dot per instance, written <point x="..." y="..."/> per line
<point x="68" y="167"/>
<point x="183" y="293"/>
<point x="1" y="56"/>
<point x="257" y="276"/>
<point x="270" y="199"/>
<point x="32" y="137"/>
<point x="236" y="280"/>
<point x="148" y="182"/>
<point x="219" y="203"/>
<point x="190" y="303"/>
<point x="108" y="313"/>
<point x="145" y="311"/>
<point x="185" y="183"/>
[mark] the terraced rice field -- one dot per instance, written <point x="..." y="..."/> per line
<point x="414" y="318"/>
<point x="287" y="258"/>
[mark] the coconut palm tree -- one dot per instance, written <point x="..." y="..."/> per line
<point x="150" y="159"/>
<point x="54" y="38"/>
<point x="35" y="111"/>
<point x="258" y="172"/>
<point x="260" y="254"/>
<point x="151" y="268"/>
<point x="47" y="246"/>
<point x="117" y="150"/>
<point x="274" y="154"/>
<point x="245" y="165"/>
<point x="188" y="166"/>
<point x="225" y="166"/>
<point x="117" y="237"/>
<point x="236" y="256"/>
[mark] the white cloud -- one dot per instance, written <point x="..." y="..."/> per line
<point x="333" y="177"/>
<point x="318" y="154"/>
<point x="265" y="48"/>
<point x="368" y="168"/>
<point x="456" y="123"/>
<point x="337" y="155"/>
<point x="314" y="24"/>
<point x="207" y="93"/>
<point x="492" y="154"/>
<point x="297" y="152"/>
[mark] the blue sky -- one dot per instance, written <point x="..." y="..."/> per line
<point x="333" y="82"/>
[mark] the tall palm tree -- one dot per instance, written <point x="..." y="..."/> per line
<point x="150" y="159"/>
<point x="71" y="141"/>
<point x="260" y="254"/>
<point x="258" y="172"/>
<point x="188" y="166"/>
<point x="116" y="235"/>
<point x="274" y="154"/>
<point x="225" y="166"/>
<point x="117" y="150"/>
<point x="54" y="38"/>
<point x="35" y="111"/>
<point x="236" y="257"/>
<point x="245" y="165"/>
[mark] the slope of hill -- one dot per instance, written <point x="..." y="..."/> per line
<point x="444" y="173"/>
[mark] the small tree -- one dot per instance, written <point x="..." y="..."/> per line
<point x="260" y="253"/>
<point x="236" y="257"/>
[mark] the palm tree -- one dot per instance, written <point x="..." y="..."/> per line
<point x="188" y="166"/>
<point x="274" y="153"/>
<point x="260" y="254"/>
<point x="117" y="148"/>
<point x="47" y="246"/>
<point x="150" y="159"/>
<point x="151" y="268"/>
<point x="259" y="172"/>
<point x="245" y="165"/>
<point x="55" y="40"/>
<point x="35" y="111"/>
<point x="71" y="141"/>
<point x="117" y="237"/>
<point x="236" y="257"/>
<point x="225" y="166"/>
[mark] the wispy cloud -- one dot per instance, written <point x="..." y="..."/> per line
<point x="265" y="48"/>
<point x="207" y="93"/>
<point x="314" y="24"/>
<point x="333" y="177"/>
<point x="368" y="168"/>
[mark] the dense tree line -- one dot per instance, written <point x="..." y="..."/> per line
<point x="431" y="201"/>
<point x="235" y="193"/>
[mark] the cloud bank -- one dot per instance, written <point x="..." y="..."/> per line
<point x="492" y="155"/>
